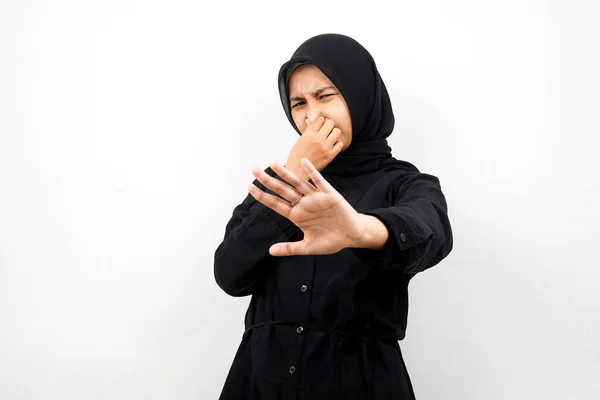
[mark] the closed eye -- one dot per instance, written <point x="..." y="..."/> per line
<point x="300" y="103"/>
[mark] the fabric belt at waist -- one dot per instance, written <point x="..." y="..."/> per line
<point x="363" y="335"/>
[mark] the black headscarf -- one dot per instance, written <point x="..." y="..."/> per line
<point x="353" y="71"/>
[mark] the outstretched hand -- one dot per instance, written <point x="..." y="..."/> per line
<point x="328" y="221"/>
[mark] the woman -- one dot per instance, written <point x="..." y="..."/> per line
<point x="327" y="245"/>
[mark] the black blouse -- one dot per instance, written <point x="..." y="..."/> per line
<point x="327" y="326"/>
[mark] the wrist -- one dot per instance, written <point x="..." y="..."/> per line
<point x="375" y="234"/>
<point x="297" y="170"/>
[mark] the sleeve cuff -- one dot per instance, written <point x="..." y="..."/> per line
<point x="403" y="236"/>
<point x="403" y="227"/>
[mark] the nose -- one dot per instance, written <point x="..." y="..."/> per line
<point x="312" y="113"/>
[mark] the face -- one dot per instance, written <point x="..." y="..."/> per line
<point x="313" y="95"/>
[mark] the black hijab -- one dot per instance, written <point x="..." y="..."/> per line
<point x="352" y="70"/>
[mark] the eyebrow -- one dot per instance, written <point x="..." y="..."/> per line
<point x="315" y="93"/>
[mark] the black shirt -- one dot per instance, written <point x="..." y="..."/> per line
<point x="327" y="326"/>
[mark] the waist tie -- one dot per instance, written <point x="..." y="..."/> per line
<point x="361" y="335"/>
<point x="364" y="338"/>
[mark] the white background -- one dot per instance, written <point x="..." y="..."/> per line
<point x="128" y="130"/>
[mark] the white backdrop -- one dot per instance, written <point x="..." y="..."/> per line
<point x="128" y="130"/>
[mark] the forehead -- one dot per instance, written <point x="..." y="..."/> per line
<point x="307" y="77"/>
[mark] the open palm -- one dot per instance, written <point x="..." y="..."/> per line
<point x="328" y="221"/>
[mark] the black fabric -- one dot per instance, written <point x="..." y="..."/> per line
<point x="353" y="71"/>
<point x="327" y="327"/>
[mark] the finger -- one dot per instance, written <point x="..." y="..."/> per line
<point x="316" y="176"/>
<point x="338" y="147"/>
<point x="316" y="124"/>
<point x="288" y="249"/>
<point x="333" y="137"/>
<point x="282" y="189"/>
<point x="326" y="128"/>
<point x="300" y="185"/>
<point x="274" y="203"/>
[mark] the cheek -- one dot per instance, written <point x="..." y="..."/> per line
<point x="343" y="120"/>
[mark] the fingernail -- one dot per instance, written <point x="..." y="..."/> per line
<point x="322" y="119"/>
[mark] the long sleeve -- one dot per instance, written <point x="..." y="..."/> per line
<point x="420" y="235"/>
<point x="241" y="261"/>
